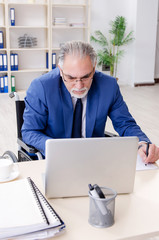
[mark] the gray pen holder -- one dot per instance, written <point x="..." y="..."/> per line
<point x="101" y="210"/>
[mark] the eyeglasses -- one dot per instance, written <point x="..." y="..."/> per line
<point x="70" y="79"/>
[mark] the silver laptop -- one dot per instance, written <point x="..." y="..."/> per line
<point x="71" y="164"/>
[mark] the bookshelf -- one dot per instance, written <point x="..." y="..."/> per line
<point x="36" y="19"/>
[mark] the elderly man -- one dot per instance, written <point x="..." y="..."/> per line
<point x="74" y="100"/>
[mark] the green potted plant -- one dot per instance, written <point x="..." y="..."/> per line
<point x="111" y="51"/>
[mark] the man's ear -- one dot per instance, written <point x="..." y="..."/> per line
<point x="95" y="66"/>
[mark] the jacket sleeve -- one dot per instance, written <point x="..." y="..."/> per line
<point x="122" y="120"/>
<point x="35" y="117"/>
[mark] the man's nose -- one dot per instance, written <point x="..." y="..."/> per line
<point x="79" y="84"/>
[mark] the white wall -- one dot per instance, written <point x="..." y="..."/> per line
<point x="141" y="18"/>
<point x="157" y="50"/>
<point x="145" y="50"/>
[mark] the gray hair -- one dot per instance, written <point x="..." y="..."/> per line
<point x="77" y="48"/>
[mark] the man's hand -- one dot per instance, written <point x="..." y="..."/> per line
<point x="153" y="153"/>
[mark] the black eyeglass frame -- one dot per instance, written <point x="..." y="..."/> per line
<point x="86" y="78"/>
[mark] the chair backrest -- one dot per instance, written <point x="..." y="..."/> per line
<point x="20" y="106"/>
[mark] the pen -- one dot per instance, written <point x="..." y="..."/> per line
<point x="147" y="151"/>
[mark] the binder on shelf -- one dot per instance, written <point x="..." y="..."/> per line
<point x="12" y="62"/>
<point x="1" y="62"/>
<point x="16" y="62"/>
<point x="5" y="64"/>
<point x="5" y="80"/>
<point x="26" y="213"/>
<point x="12" y="16"/>
<point x="12" y="83"/>
<point x="47" y="60"/>
<point x="53" y="60"/>
<point x="1" y="40"/>
<point x="1" y="85"/>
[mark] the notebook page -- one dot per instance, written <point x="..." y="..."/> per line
<point x="44" y="234"/>
<point x="52" y="216"/>
<point x="19" y="210"/>
<point x="140" y="165"/>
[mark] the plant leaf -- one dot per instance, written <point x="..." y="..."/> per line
<point x="100" y="38"/>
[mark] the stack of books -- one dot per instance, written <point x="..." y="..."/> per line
<point x="76" y="24"/>
<point x="25" y="212"/>
<point x="59" y="21"/>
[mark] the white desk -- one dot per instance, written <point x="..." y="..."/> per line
<point x="136" y="214"/>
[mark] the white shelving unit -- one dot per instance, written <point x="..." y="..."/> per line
<point x="76" y="22"/>
<point x="36" y="19"/>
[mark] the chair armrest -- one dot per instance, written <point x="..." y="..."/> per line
<point x="28" y="148"/>
<point x="109" y="134"/>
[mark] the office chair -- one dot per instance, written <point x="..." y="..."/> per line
<point x="25" y="152"/>
<point x="109" y="134"/>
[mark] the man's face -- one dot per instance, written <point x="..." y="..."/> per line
<point x="77" y="74"/>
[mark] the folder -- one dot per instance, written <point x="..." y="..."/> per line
<point x="5" y="80"/>
<point x="1" y="40"/>
<point x="12" y="83"/>
<point x="1" y="85"/>
<point x="53" y="60"/>
<point x="47" y="60"/>
<point x="12" y="16"/>
<point x="15" y="61"/>
<point x="1" y="62"/>
<point x="5" y="64"/>
<point x="12" y="62"/>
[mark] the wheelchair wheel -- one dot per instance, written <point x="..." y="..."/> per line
<point x="10" y="155"/>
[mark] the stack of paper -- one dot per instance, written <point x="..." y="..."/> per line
<point x="25" y="211"/>
<point x="60" y="21"/>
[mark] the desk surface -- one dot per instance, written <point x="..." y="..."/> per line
<point x="136" y="214"/>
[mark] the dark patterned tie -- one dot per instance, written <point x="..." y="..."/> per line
<point x="77" y="120"/>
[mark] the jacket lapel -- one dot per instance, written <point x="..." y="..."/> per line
<point x="91" y="110"/>
<point x="67" y="110"/>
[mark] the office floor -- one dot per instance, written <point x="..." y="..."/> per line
<point x="142" y="102"/>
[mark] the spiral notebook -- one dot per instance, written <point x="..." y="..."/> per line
<point x="24" y="210"/>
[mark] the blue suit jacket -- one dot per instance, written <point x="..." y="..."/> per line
<point x="49" y="110"/>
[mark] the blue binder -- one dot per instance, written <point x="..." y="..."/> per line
<point x="53" y="60"/>
<point x="1" y="62"/>
<point x="12" y="62"/>
<point x="12" y="16"/>
<point x="47" y="60"/>
<point x="1" y="85"/>
<point x="16" y="62"/>
<point x="5" y="64"/>
<point x="5" y="80"/>
<point x="1" y="40"/>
